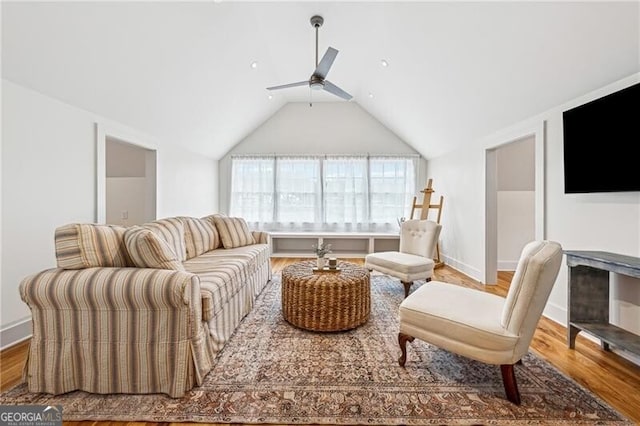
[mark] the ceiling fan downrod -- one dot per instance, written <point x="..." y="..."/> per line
<point x="316" y="22"/>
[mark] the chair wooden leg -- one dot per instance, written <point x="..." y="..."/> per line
<point x="407" y="286"/>
<point x="402" y="341"/>
<point x="510" y="384"/>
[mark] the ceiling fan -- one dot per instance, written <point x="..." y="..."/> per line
<point x="317" y="80"/>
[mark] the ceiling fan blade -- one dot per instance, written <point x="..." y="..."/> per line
<point x="325" y="63"/>
<point x="332" y="88"/>
<point x="284" y="86"/>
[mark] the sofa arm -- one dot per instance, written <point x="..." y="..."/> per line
<point x="92" y="325"/>
<point x="109" y="289"/>
<point x="261" y="237"/>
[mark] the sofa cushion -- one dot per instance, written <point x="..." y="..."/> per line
<point x="234" y="231"/>
<point x="223" y="272"/>
<point x="220" y="282"/>
<point x="200" y="236"/>
<point x="80" y="245"/>
<point x="171" y="230"/>
<point x="148" y="250"/>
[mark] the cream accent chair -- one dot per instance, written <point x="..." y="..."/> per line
<point x="481" y="325"/>
<point x="414" y="260"/>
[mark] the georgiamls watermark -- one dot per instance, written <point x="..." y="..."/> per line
<point x="30" y="415"/>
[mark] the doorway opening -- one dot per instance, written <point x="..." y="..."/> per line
<point x="514" y="198"/>
<point x="126" y="179"/>
<point x="130" y="184"/>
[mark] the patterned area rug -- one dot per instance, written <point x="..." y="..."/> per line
<point x="272" y="372"/>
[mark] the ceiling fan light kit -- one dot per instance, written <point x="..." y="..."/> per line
<point x="318" y="81"/>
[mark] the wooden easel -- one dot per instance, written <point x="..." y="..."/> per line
<point x="424" y="208"/>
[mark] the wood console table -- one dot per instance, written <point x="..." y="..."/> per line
<point x="589" y="297"/>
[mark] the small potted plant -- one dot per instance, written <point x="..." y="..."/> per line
<point x="321" y="251"/>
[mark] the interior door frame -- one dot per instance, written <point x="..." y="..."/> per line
<point x="537" y="131"/>
<point x="103" y="132"/>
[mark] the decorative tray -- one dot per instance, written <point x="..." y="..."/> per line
<point x="325" y="269"/>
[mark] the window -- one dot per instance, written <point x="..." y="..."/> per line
<point x="345" y="190"/>
<point x="252" y="188"/>
<point x="298" y="190"/>
<point x="338" y="193"/>
<point x="393" y="184"/>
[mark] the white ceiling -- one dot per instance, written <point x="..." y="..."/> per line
<point x="181" y="71"/>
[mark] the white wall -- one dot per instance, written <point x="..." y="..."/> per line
<point x="124" y="159"/>
<point x="126" y="194"/>
<point x="325" y="128"/>
<point x="187" y="184"/>
<point x="605" y="222"/>
<point x="460" y="179"/>
<point x="49" y="179"/>
<point x="516" y="223"/>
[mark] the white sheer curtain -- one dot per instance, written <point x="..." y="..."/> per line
<point x="392" y="187"/>
<point x="346" y="187"/>
<point x="315" y="193"/>
<point x="252" y="189"/>
<point x="298" y="192"/>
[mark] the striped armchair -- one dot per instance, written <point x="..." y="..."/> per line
<point x="143" y="309"/>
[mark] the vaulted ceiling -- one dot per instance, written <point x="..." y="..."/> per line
<point x="181" y="71"/>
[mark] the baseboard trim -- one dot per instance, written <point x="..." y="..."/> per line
<point x="15" y="333"/>
<point x="556" y="313"/>
<point x="468" y="270"/>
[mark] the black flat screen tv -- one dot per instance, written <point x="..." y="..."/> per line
<point x="601" y="142"/>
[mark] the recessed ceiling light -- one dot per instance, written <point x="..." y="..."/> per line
<point x="254" y="65"/>
<point x="371" y="96"/>
<point x="384" y="63"/>
<point x="270" y="96"/>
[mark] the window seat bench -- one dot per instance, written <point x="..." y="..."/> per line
<point x="343" y="244"/>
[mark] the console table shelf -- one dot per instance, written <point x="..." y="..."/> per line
<point x="611" y="334"/>
<point x="589" y="297"/>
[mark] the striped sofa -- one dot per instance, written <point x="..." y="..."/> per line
<point x="141" y="309"/>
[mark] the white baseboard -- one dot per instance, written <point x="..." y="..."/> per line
<point x="556" y="313"/>
<point x="15" y="333"/>
<point x="468" y="270"/>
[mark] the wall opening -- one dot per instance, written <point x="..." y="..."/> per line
<point x="125" y="178"/>
<point x="514" y="180"/>
<point x="130" y="183"/>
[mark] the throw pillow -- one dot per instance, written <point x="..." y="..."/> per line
<point x="88" y="245"/>
<point x="200" y="236"/>
<point x="234" y="231"/>
<point x="148" y="250"/>
<point x="171" y="230"/>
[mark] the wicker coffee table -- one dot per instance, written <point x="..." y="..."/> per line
<point x="325" y="301"/>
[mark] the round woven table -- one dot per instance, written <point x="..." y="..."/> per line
<point x="325" y="300"/>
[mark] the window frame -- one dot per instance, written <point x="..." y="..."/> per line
<point x="412" y="161"/>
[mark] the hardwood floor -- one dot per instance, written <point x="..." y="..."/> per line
<point x="613" y="378"/>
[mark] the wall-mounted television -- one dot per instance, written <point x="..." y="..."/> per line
<point x="601" y="141"/>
